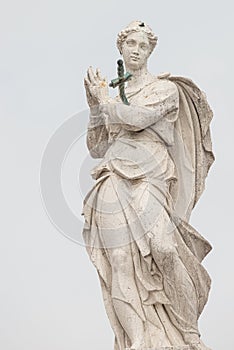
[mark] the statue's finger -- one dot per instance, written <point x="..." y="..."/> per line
<point x="88" y="75"/>
<point x="98" y="73"/>
<point x="87" y="83"/>
<point x="91" y="76"/>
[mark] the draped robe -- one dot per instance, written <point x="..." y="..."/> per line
<point x="156" y="154"/>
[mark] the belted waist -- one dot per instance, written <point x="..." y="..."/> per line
<point x="142" y="135"/>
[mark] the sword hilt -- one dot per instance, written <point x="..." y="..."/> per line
<point x="120" y="68"/>
<point x="122" y="78"/>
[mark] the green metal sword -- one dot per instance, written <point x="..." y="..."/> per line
<point x="120" y="81"/>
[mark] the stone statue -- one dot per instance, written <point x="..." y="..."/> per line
<point x="155" y="149"/>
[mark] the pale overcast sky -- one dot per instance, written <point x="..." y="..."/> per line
<point x="50" y="296"/>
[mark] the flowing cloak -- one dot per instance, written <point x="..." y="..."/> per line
<point x="191" y="153"/>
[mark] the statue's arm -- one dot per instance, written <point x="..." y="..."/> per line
<point x="165" y="103"/>
<point x="97" y="93"/>
<point x="97" y="135"/>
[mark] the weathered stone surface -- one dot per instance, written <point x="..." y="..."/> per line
<point x="185" y="347"/>
<point x="155" y="155"/>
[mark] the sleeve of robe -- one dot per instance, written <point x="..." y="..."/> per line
<point x="97" y="134"/>
<point x="161" y="102"/>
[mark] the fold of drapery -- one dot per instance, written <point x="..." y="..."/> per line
<point x="192" y="157"/>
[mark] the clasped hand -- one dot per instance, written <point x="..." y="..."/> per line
<point x="96" y="88"/>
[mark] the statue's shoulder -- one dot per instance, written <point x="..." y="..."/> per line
<point x="167" y="77"/>
<point x="162" y="82"/>
<point x="164" y="76"/>
<point x="181" y="83"/>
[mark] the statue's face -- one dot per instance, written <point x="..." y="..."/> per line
<point x="136" y="50"/>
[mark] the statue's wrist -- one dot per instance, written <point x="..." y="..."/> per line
<point x="106" y="100"/>
<point x="94" y="110"/>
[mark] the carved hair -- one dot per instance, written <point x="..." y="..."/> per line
<point x="133" y="27"/>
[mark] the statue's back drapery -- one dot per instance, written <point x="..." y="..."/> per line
<point x="156" y="153"/>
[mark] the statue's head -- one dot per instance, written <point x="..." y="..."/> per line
<point x="137" y="27"/>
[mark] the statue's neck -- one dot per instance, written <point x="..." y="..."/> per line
<point x="139" y="79"/>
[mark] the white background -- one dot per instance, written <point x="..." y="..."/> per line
<point x="50" y="296"/>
